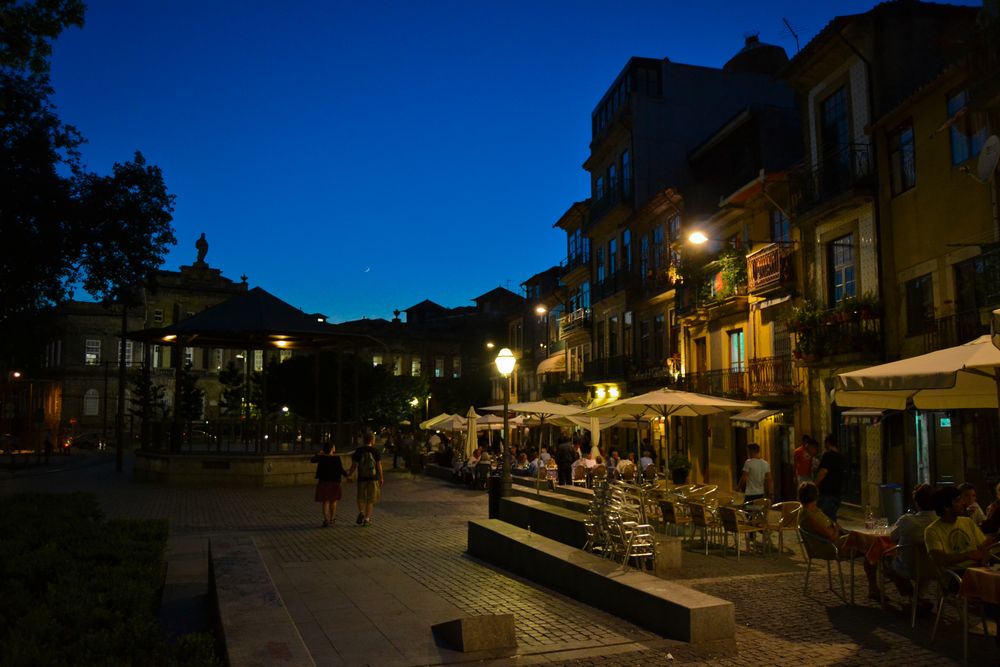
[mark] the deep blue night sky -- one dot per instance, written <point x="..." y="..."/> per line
<point x="355" y="157"/>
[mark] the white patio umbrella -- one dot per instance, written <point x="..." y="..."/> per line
<point x="434" y="421"/>
<point x="471" y="440"/>
<point x="452" y="423"/>
<point x="668" y="403"/>
<point x="542" y="409"/>
<point x="964" y="376"/>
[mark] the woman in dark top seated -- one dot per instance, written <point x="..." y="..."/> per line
<point x="329" y="471"/>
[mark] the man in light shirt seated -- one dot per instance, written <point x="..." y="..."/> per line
<point x="908" y="533"/>
<point x="954" y="540"/>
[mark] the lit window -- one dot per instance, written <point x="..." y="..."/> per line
<point x="157" y="357"/>
<point x="902" y="160"/>
<point x="840" y="257"/>
<point x="456" y="367"/>
<point x="217" y="359"/>
<point x="189" y="356"/>
<point x="377" y="360"/>
<point x="397" y="365"/>
<point x="415" y="366"/>
<point x="967" y="130"/>
<point x="128" y="352"/>
<point x="439" y="367"/>
<point x="284" y="355"/>
<point x="91" y="403"/>
<point x="158" y="315"/>
<point x="258" y="360"/>
<point x="92" y="353"/>
<point x="737" y="353"/>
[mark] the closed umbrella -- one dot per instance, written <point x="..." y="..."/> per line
<point x="471" y="441"/>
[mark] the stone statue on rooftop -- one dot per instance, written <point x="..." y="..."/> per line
<point x="202" y="245"/>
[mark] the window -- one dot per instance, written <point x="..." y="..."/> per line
<point x="626" y="173"/>
<point x="599" y="339"/>
<point x="643" y="340"/>
<point x="919" y="305"/>
<point x="158" y="315"/>
<point x="397" y="365"/>
<point x="91" y="403"/>
<point x="613" y="336"/>
<point x="258" y="360"/>
<point x="612" y="179"/>
<point x="781" y="227"/>
<point x="658" y="322"/>
<point x="658" y="249"/>
<point x="189" y="356"/>
<point x="835" y="153"/>
<point x="675" y="238"/>
<point x="415" y="366"/>
<point x="737" y="353"/>
<point x="902" y="158"/>
<point x="600" y="265"/>
<point x="157" y="356"/>
<point x="456" y="367"/>
<point x="284" y="355"/>
<point x="585" y="295"/>
<point x="644" y="271"/>
<point x="627" y="251"/>
<point x="92" y="352"/>
<point x="128" y="352"/>
<point x="217" y="358"/>
<point x="377" y="360"/>
<point x="612" y="257"/>
<point x="599" y="188"/>
<point x="439" y="367"/>
<point x="967" y="130"/>
<point x="840" y="256"/>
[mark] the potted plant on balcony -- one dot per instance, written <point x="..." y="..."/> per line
<point x="733" y="266"/>
<point x="679" y="466"/>
<point x="805" y="316"/>
<point x="869" y="307"/>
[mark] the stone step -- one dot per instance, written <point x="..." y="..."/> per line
<point x="665" y="607"/>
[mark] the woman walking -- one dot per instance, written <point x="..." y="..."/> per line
<point x="329" y="471"/>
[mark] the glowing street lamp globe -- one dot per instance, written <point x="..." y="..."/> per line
<point x="697" y="238"/>
<point x="505" y="362"/>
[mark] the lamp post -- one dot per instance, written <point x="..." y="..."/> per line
<point x="505" y="362"/>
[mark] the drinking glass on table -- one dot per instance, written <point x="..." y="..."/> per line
<point x="883" y="525"/>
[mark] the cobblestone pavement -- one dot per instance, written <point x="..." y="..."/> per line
<point x="420" y="531"/>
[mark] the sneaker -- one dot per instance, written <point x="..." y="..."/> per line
<point x="361" y="519"/>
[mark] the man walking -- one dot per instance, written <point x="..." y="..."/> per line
<point x="802" y="458"/>
<point x="830" y="478"/>
<point x="756" y="478"/>
<point x="368" y="463"/>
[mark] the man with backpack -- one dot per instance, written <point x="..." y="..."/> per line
<point x="368" y="463"/>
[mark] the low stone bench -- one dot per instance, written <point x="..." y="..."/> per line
<point x="548" y="520"/>
<point x="439" y="471"/>
<point x="551" y="497"/>
<point x="667" y="608"/>
<point x="255" y="624"/>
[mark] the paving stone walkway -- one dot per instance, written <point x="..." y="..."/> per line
<point x="367" y="596"/>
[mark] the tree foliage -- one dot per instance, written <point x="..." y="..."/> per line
<point x="128" y="215"/>
<point x="27" y="30"/>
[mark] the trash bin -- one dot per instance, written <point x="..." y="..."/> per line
<point x="495" y="486"/>
<point x="890" y="499"/>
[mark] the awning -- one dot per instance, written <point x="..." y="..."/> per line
<point x="554" y="364"/>
<point x="863" y="415"/>
<point x="751" y="418"/>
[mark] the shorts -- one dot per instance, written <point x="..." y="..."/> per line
<point x="328" y="492"/>
<point x="369" y="492"/>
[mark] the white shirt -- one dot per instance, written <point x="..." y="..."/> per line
<point x="756" y="470"/>
<point x="645" y="462"/>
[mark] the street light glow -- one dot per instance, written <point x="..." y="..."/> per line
<point x="697" y="238"/>
<point x="541" y="310"/>
<point x="505" y="362"/>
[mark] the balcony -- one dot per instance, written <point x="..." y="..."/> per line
<point x="770" y="269"/>
<point x="612" y="284"/>
<point x="730" y="383"/>
<point x="840" y="170"/>
<point x="574" y="262"/>
<point x="840" y="339"/>
<point x="771" y="376"/>
<point x="954" y="330"/>
<point x="615" y="201"/>
<point x="574" y="323"/>
<point x="604" y="370"/>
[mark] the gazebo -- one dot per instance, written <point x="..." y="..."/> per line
<point x="255" y="320"/>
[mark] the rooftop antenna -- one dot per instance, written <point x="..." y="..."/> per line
<point x="789" y="26"/>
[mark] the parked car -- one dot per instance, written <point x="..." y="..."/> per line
<point x="85" y="441"/>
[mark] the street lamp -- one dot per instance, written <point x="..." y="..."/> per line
<point x="505" y="362"/>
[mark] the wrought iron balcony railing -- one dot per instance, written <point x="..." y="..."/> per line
<point x="770" y="268"/>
